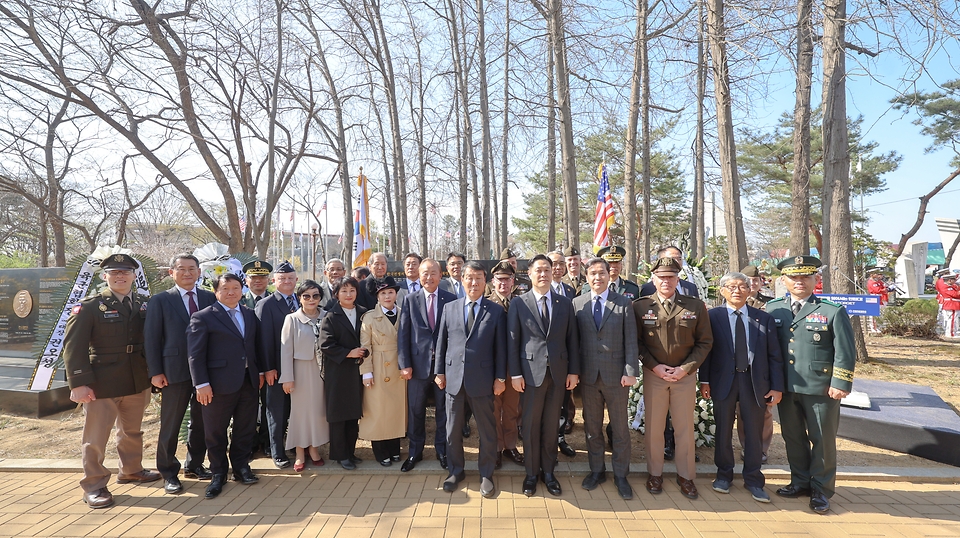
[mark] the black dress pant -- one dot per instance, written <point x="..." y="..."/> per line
<point x="539" y="419"/>
<point x="343" y="439"/>
<point x="174" y="401"/>
<point x="724" y="412"/>
<point x="241" y="406"/>
<point x="384" y="450"/>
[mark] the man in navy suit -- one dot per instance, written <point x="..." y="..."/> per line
<point x="454" y="283"/>
<point x="472" y="366"/>
<point x="744" y="365"/>
<point x="226" y="368"/>
<point x="544" y="360"/>
<point x="271" y="313"/>
<point x="165" y="345"/>
<point x="420" y="317"/>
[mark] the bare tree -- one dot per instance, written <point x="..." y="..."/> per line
<point x="800" y="215"/>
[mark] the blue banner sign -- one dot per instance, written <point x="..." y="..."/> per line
<point x="857" y="305"/>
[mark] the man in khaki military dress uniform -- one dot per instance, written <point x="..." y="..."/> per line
<point x="107" y="373"/>
<point x="674" y="338"/>
<point x="575" y="276"/>
<point x="818" y="359"/>
<point x="506" y="405"/>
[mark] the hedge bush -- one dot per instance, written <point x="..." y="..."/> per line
<point x="916" y="317"/>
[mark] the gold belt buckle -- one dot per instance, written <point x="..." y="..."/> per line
<point x="129" y="349"/>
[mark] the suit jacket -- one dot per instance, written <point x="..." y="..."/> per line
<point x="447" y="284"/>
<point x="568" y="291"/>
<point x="681" y="337"/>
<point x="326" y="298"/>
<point x="532" y="347"/>
<point x="817" y="346"/>
<point x="763" y="347"/>
<point x="219" y="354"/>
<point x="342" y="384"/>
<point x="415" y="340"/>
<point x="472" y="361"/>
<point x="271" y="312"/>
<point x="165" y="333"/>
<point x="689" y="288"/>
<point x="103" y="346"/>
<point x="609" y="352"/>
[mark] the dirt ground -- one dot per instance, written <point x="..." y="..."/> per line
<point x="922" y="362"/>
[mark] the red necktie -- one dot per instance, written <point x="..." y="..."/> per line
<point x="193" y="304"/>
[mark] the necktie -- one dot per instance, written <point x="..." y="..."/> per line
<point x="257" y="299"/>
<point x="544" y="313"/>
<point x="740" y="344"/>
<point x="668" y="306"/>
<point x="795" y="306"/>
<point x="126" y="305"/>
<point x="193" y="304"/>
<point x="613" y="286"/>
<point x="470" y="316"/>
<point x="431" y="312"/>
<point x="598" y="312"/>
<point x="291" y="304"/>
<point x="414" y="288"/>
<point x="233" y="315"/>
<point x="558" y="290"/>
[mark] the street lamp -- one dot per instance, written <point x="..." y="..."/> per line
<point x="313" y="234"/>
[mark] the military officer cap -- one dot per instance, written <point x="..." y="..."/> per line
<point x="613" y="253"/>
<point x="507" y="253"/>
<point x="799" y="266"/>
<point x="285" y="267"/>
<point x="570" y="251"/>
<point x="665" y="264"/>
<point x="257" y="268"/>
<point x="504" y="268"/>
<point x="751" y="271"/>
<point x="118" y="261"/>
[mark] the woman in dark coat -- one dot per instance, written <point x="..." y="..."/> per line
<point x="342" y="356"/>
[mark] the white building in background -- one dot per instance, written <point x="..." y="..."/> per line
<point x="713" y="222"/>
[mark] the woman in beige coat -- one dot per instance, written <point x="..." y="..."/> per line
<point x="384" y="420"/>
<point x="300" y="377"/>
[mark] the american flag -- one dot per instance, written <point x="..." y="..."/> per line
<point x="604" y="217"/>
<point x="322" y="208"/>
<point x="243" y="224"/>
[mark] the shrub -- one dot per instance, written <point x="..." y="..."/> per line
<point x="916" y="317"/>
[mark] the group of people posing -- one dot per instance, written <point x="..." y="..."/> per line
<point x="357" y="356"/>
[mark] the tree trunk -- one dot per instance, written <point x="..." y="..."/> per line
<point x="644" y="134"/>
<point x="800" y="215"/>
<point x="504" y="168"/>
<point x="727" y="157"/>
<point x="486" y="143"/>
<point x="551" y="146"/>
<point x="630" y="144"/>
<point x="698" y="237"/>
<point x="567" y="149"/>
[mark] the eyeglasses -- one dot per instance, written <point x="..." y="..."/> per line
<point x="311" y="296"/>
<point x="737" y="288"/>
<point x="118" y="271"/>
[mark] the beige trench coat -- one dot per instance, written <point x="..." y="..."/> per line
<point x="385" y="403"/>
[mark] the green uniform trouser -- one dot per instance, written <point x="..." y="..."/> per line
<point x="809" y="425"/>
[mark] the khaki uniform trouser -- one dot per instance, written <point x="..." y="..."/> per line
<point x="679" y="399"/>
<point x="101" y="415"/>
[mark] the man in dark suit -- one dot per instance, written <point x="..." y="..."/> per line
<point x="165" y="345"/>
<point x="608" y="368"/>
<point x="333" y="271"/>
<point x="226" y="368"/>
<point x="107" y="374"/>
<point x="471" y="366"/>
<point x="271" y="313"/>
<point x="558" y="286"/>
<point x="744" y="366"/>
<point x="420" y="317"/>
<point x="410" y="283"/>
<point x="367" y="294"/>
<point x="613" y="255"/>
<point x="544" y="360"/>
<point x="257" y="275"/>
<point x="452" y="283"/>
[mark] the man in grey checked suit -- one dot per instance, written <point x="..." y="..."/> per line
<point x="609" y="365"/>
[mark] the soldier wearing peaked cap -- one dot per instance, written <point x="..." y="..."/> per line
<point x="258" y="278"/>
<point x="574" y="277"/>
<point x="522" y="281"/>
<point x="818" y="358"/>
<point x="614" y="256"/>
<point x="107" y="373"/>
<point x="757" y="299"/>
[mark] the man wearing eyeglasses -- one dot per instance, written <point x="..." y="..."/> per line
<point x="107" y="373"/>
<point x="744" y="366"/>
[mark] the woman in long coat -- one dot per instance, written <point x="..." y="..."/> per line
<point x="342" y="356"/>
<point x="385" y="392"/>
<point x="308" y="426"/>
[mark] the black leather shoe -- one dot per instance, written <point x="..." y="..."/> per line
<point x="792" y="492"/>
<point x="567" y="450"/>
<point x="245" y="476"/>
<point x="567" y="426"/>
<point x="553" y="485"/>
<point x="819" y="502"/>
<point x="410" y="463"/>
<point x="514" y="455"/>
<point x="216" y="486"/>
<point x="466" y="430"/>
<point x="281" y="463"/>
<point x="356" y="460"/>
<point x="199" y="473"/>
<point x="623" y="487"/>
<point x="592" y="480"/>
<point x="348" y="465"/>
<point x="386" y="463"/>
<point x="450" y="484"/>
<point x="172" y="486"/>
<point x="443" y="461"/>
<point x="530" y="486"/>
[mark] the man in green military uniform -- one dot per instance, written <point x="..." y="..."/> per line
<point x="818" y="359"/>
<point x="107" y="373"/>
<point x="258" y="278"/>
<point x="614" y="256"/>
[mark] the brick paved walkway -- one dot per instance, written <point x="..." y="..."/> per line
<point x="355" y="505"/>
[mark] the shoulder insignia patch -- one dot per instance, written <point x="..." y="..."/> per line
<point x="843" y="374"/>
<point x="75" y="310"/>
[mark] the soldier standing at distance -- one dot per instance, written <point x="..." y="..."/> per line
<point x="574" y="277"/>
<point x="818" y="359"/>
<point x="107" y="373"/>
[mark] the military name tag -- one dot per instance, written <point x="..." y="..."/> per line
<point x="649" y="322"/>
<point x="111" y="314"/>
